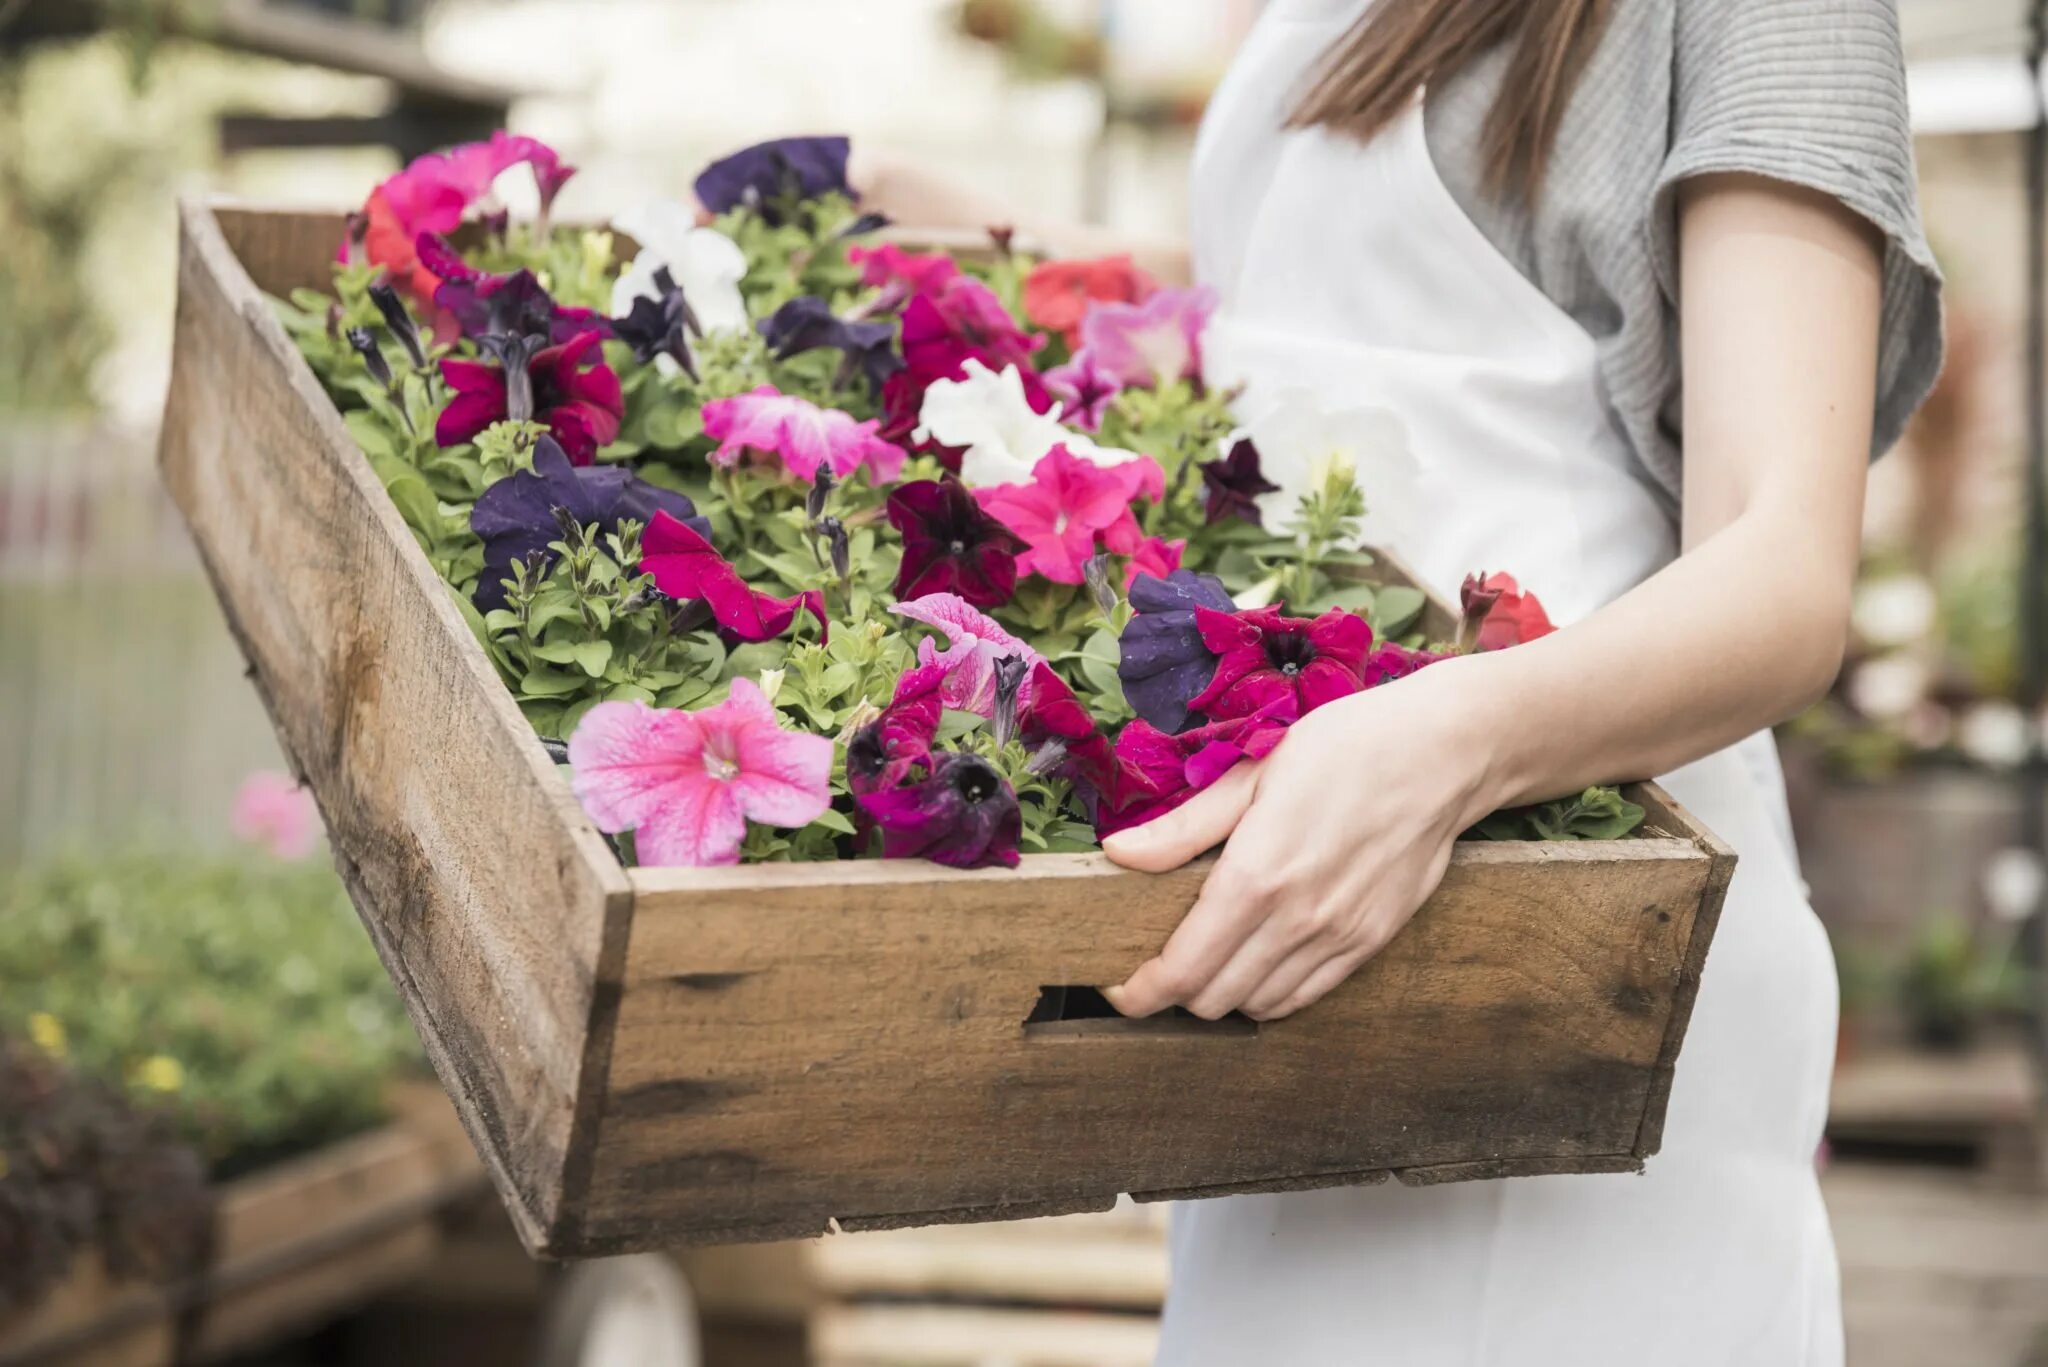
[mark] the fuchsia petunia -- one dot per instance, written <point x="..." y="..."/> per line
<point x="687" y="783"/>
<point x="686" y="567"/>
<point x="1157" y="772"/>
<point x="1145" y="346"/>
<point x="973" y="645"/>
<point x="435" y="192"/>
<point x="1070" y="505"/>
<point x="882" y="753"/>
<point x="962" y="813"/>
<point x="1281" y="666"/>
<point x="1085" y="391"/>
<point x="1053" y="717"/>
<point x="565" y="388"/>
<point x="1390" y="660"/>
<point x="1156" y="557"/>
<point x="804" y="436"/>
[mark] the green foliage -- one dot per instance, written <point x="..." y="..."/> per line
<point x="1596" y="814"/>
<point x="1951" y="982"/>
<point x="242" y="997"/>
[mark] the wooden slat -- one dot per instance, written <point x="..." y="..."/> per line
<point x="496" y="907"/>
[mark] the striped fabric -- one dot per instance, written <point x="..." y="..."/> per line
<point x="1807" y="91"/>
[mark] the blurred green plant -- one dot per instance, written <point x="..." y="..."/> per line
<point x="1953" y="982"/>
<point x="241" y="996"/>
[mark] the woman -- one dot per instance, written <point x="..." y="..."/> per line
<point x="1645" y="282"/>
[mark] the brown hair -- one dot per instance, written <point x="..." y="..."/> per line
<point x="1398" y="46"/>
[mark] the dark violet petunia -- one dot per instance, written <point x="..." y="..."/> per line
<point x="685" y="567"/>
<point x="770" y="175"/>
<point x="399" y="320"/>
<point x="951" y="546"/>
<point x="1165" y="661"/>
<point x="513" y="305"/>
<point x="962" y="814"/>
<point x="574" y="395"/>
<point x="518" y="517"/>
<point x="1235" y="483"/>
<point x="808" y="324"/>
<point x="882" y="753"/>
<point x="661" y="325"/>
<point x="1283" y="666"/>
<point x="1157" y="772"/>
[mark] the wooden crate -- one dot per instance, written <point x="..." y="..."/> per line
<point x="292" y="1244"/>
<point x="647" y="1058"/>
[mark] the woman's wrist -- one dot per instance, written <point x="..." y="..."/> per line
<point x="1485" y="731"/>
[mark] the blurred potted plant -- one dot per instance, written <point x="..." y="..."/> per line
<point x="1954" y="981"/>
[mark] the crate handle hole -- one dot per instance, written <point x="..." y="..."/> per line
<point x="1078" y="1012"/>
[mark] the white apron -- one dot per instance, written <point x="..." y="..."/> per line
<point x="1351" y="270"/>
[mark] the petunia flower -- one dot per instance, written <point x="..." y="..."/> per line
<point x="1165" y="662"/>
<point x="686" y="567"/>
<point x="1157" y="772"/>
<point x="1155" y="557"/>
<point x="1391" y="660"/>
<point x="687" y="783"/>
<point x="963" y="814"/>
<point x="951" y="546"/>
<point x="434" y="193"/>
<point x="770" y="176"/>
<point x="989" y="417"/>
<point x="518" y="518"/>
<point x="804" y="436"/>
<point x="1150" y="344"/>
<point x="973" y="645"/>
<point x="808" y="324"/>
<point x="277" y="812"/>
<point x="900" y="274"/>
<point x="1235" y="483"/>
<point x="1303" y="446"/>
<point x="1499" y="614"/>
<point x="1057" y="294"/>
<point x="1053" y="717"/>
<point x="705" y="264"/>
<point x="483" y="305"/>
<point x="882" y="753"/>
<point x="659" y="327"/>
<point x="573" y="395"/>
<point x="1085" y="391"/>
<point x="1071" y="504"/>
<point x="1288" y="666"/>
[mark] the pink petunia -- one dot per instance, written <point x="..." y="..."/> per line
<point x="801" y="434"/>
<point x="687" y="783"/>
<point x="1148" y="345"/>
<point x="1155" y="557"/>
<point x="973" y="645"/>
<point x="575" y="395"/>
<point x="1285" y="666"/>
<point x="1085" y="390"/>
<point x="433" y="193"/>
<point x="274" y="811"/>
<point x="1069" y="506"/>
<point x="1157" y="772"/>
<point x="685" y="566"/>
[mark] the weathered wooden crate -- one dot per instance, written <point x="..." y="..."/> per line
<point x="647" y="1058"/>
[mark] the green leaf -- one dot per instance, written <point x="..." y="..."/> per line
<point x="835" y="820"/>
<point x="1396" y="608"/>
<point x="954" y="724"/>
<point x="550" y="683"/>
<point x="590" y="656"/>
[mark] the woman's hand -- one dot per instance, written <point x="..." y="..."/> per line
<point x="1334" y="841"/>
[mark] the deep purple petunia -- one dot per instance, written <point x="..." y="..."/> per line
<point x="1165" y="661"/>
<point x="951" y="546"/>
<point x="770" y="176"/>
<point x="962" y="814"/>
<point x="808" y="324"/>
<point x="661" y="326"/>
<point x="514" y="305"/>
<point x="1235" y="483"/>
<point x="520" y="515"/>
<point x="1285" y="667"/>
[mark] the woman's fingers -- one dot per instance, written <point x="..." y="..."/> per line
<point x="1194" y="828"/>
<point x="1322" y="982"/>
<point x="1228" y="913"/>
<point x="1263" y="1001"/>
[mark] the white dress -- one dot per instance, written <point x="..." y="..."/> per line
<point x="1349" y="269"/>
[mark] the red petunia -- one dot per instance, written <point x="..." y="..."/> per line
<point x="1057" y="294"/>
<point x="1498" y="613"/>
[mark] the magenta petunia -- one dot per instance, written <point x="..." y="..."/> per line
<point x="436" y="191"/>
<point x="951" y="546"/>
<point x="1085" y="391"/>
<point x="687" y="783"/>
<point x="1070" y="505"/>
<point x="1151" y="344"/>
<point x="1053" y="717"/>
<point x="568" y="390"/>
<point x="974" y="643"/>
<point x="882" y="753"/>
<point x="1156" y="557"/>
<point x="686" y="567"/>
<point x="1283" y="666"/>
<point x="1157" y="772"/>
<point x="962" y="814"/>
<point x="802" y="435"/>
<point x="1391" y="660"/>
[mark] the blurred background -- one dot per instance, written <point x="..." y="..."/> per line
<point x="238" y="1155"/>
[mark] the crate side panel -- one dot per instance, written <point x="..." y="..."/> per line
<point x="487" y="894"/>
<point x="791" y="1049"/>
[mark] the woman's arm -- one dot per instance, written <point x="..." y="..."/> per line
<point x="916" y="197"/>
<point x="1780" y="312"/>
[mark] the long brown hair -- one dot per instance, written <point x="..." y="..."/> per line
<point x="1399" y="46"/>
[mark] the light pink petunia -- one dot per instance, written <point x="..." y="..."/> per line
<point x="1150" y="344"/>
<point x="1069" y="506"/>
<point x="803" y="435"/>
<point x="687" y="783"/>
<point x="274" y="811"/>
<point x="1156" y="557"/>
<point x="973" y="645"/>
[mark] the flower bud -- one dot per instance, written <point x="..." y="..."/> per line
<point x="839" y="547"/>
<point x="1011" y="671"/>
<point x="373" y="355"/>
<point x="821" y="493"/>
<point x="400" y="322"/>
<point x="1100" y="586"/>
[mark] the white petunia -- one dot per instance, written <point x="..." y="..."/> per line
<point x="1002" y="438"/>
<point x="1301" y="445"/>
<point x="705" y="264"/>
